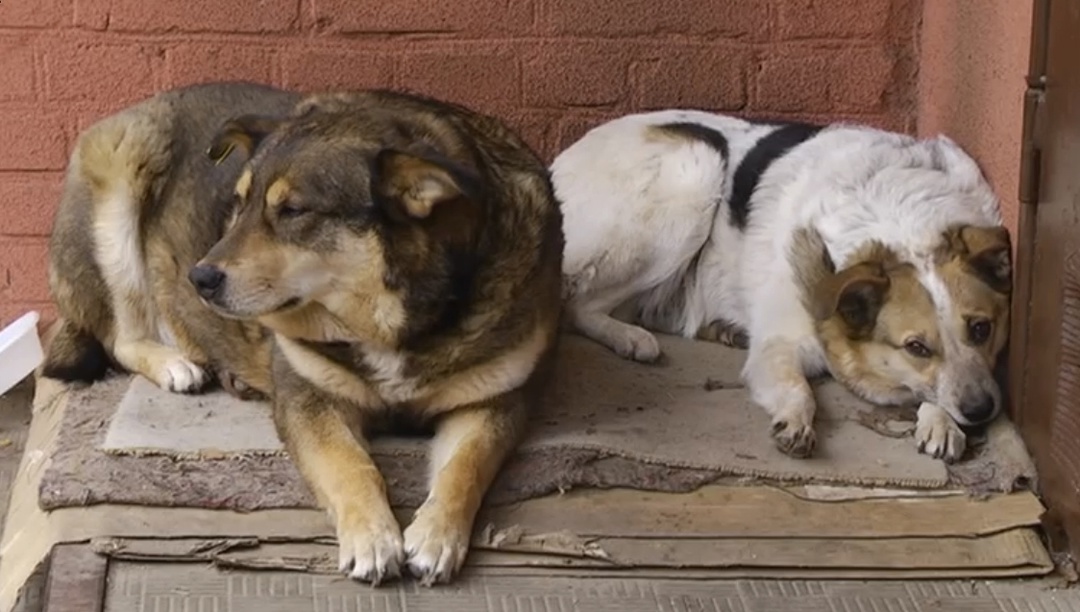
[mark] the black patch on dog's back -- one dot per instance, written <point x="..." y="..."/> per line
<point x="699" y="132"/>
<point x="758" y="159"/>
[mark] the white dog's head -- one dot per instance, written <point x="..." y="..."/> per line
<point x="896" y="333"/>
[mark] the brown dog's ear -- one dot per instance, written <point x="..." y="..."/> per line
<point x="246" y="131"/>
<point x="415" y="185"/>
<point x="987" y="251"/>
<point x="856" y="294"/>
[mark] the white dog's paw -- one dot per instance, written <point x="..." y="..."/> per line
<point x="638" y="344"/>
<point x="436" y="547"/>
<point x="793" y="432"/>
<point x="370" y="549"/>
<point x="937" y="435"/>
<point x="180" y="375"/>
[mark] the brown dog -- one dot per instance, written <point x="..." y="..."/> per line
<point x="406" y="253"/>
<point x="141" y="204"/>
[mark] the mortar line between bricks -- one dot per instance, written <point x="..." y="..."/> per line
<point x="107" y="37"/>
<point x="37" y="172"/>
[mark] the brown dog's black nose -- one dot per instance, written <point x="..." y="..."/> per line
<point x="208" y="280"/>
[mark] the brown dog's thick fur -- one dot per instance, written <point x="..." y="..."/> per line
<point x="407" y="255"/>
<point x="374" y="259"/>
<point x="141" y="204"/>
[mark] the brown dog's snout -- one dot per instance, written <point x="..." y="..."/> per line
<point x="208" y="280"/>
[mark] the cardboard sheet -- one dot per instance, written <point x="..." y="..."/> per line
<point x="150" y="420"/>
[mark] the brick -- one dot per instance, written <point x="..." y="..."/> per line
<point x="824" y="80"/>
<point x="119" y="74"/>
<point x="538" y="129"/>
<point x="9" y="311"/>
<point x="24" y="269"/>
<point x="322" y="70"/>
<point x="92" y="14"/>
<point x="484" y="17"/>
<point x="28" y="203"/>
<point x="867" y="79"/>
<point x="575" y="75"/>
<point x="35" y="14"/>
<point x="32" y="140"/>
<point x="487" y="82"/>
<point x="711" y="78"/>
<point x="649" y="17"/>
<point x="831" y="18"/>
<point x="17" y="66"/>
<point x="194" y="63"/>
<point x="259" y="16"/>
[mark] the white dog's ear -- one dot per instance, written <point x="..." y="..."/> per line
<point x="855" y="295"/>
<point x="950" y="158"/>
<point x="986" y="252"/>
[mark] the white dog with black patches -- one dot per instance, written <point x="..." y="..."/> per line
<point x="843" y="249"/>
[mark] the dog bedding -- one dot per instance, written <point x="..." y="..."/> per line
<point x="605" y="423"/>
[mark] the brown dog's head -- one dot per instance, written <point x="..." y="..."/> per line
<point x="347" y="216"/>
<point x="896" y="333"/>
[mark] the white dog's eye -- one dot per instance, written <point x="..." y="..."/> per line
<point x="979" y="330"/>
<point x="918" y="348"/>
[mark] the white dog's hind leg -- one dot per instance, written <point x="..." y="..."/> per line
<point x="592" y="318"/>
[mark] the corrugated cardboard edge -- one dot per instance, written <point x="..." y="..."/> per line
<point x="1017" y="552"/>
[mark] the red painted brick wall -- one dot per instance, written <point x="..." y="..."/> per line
<point x="553" y="68"/>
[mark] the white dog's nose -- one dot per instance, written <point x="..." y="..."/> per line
<point x="978" y="407"/>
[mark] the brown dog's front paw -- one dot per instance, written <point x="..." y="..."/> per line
<point x="794" y="438"/>
<point x="370" y="546"/>
<point x="436" y="545"/>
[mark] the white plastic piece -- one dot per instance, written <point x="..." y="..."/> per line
<point x="20" y="350"/>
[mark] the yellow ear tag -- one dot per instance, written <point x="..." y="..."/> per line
<point x="221" y="156"/>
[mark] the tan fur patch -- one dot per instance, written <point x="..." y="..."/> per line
<point x="877" y="366"/>
<point x="327" y="375"/>
<point x="972" y="300"/>
<point x="866" y="313"/>
<point x="974" y="265"/>
<point x="508" y="371"/>
<point x="661" y="133"/>
<point x="243" y="184"/>
<point x="417" y="183"/>
<point x="359" y="297"/>
<point x="277" y="193"/>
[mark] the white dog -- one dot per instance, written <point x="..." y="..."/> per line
<point x="706" y="226"/>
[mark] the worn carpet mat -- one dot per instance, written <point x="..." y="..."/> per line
<point x="606" y="423"/>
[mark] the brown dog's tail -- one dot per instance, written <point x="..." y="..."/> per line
<point x="74" y="355"/>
